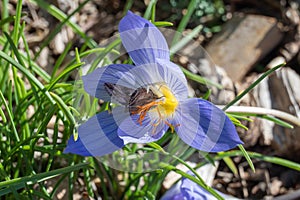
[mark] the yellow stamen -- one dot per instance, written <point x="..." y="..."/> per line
<point x="164" y="107"/>
<point x="170" y="103"/>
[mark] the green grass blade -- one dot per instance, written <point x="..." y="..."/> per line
<point x="128" y="6"/>
<point x="148" y="12"/>
<point x="64" y="108"/>
<point x="270" y="159"/>
<point x="156" y="146"/>
<point x="278" y="121"/>
<point x="64" y="20"/>
<point x="64" y="73"/>
<point x="10" y="117"/>
<point x="3" y="118"/>
<point x="5" y="19"/>
<point x="246" y="155"/>
<point x="192" y="178"/>
<point x="58" y="14"/>
<point x="4" y="22"/>
<point x="267" y="73"/>
<point x="162" y="23"/>
<point x="231" y="165"/>
<point x="60" y="59"/>
<point x="185" y="40"/>
<point x="200" y="79"/>
<point x="17" y="22"/>
<point x="32" y="78"/>
<point x="265" y="113"/>
<point x="42" y="176"/>
<point x="185" y="19"/>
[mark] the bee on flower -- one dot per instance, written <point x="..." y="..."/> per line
<point x="152" y="96"/>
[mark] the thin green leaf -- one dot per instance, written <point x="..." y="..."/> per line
<point x="4" y="23"/>
<point x="32" y="78"/>
<point x="156" y="146"/>
<point x="230" y="165"/>
<point x="192" y="178"/>
<point x="10" y="117"/>
<point x="270" y="159"/>
<point x="64" y="108"/>
<point x="77" y="55"/>
<point x="246" y="155"/>
<point x="162" y="23"/>
<point x="3" y="118"/>
<point x="184" y="21"/>
<point x="58" y="14"/>
<point x="185" y="40"/>
<point x="148" y="11"/>
<point x="42" y="176"/>
<point x="278" y="121"/>
<point x="17" y="22"/>
<point x="153" y="12"/>
<point x="60" y="59"/>
<point x="200" y="79"/>
<point x="246" y="91"/>
<point x="64" y="73"/>
<point x="128" y="6"/>
<point x="239" y="117"/>
<point x="207" y="94"/>
<point x="64" y="20"/>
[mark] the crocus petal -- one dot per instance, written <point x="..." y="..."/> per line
<point x="174" y="193"/>
<point x="98" y="136"/>
<point x="178" y="85"/>
<point x="94" y="82"/>
<point x="191" y="190"/>
<point x="76" y="147"/>
<point x="129" y="78"/>
<point x="155" y="73"/>
<point x="185" y="189"/>
<point x="131" y="131"/>
<point x="205" y="127"/>
<point x="142" y="40"/>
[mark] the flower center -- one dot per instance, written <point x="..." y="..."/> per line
<point x="169" y="102"/>
<point x="163" y="106"/>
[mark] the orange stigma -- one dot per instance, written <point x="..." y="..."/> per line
<point x="142" y="110"/>
<point x="163" y="107"/>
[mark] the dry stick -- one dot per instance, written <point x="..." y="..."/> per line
<point x="263" y="111"/>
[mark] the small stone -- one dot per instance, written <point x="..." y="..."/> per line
<point x="275" y="187"/>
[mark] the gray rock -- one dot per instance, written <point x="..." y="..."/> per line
<point x="243" y="41"/>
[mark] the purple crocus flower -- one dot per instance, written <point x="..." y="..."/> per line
<point x="186" y="189"/>
<point x="152" y="97"/>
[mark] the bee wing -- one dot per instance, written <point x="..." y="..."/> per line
<point x="118" y="93"/>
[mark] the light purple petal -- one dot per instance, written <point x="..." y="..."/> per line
<point x="191" y="190"/>
<point x="76" y="147"/>
<point x="174" y="193"/>
<point x="154" y="73"/>
<point x="94" y="82"/>
<point x="186" y="189"/>
<point x="98" y="136"/>
<point x="205" y="127"/>
<point x="142" y="40"/>
<point x="133" y="77"/>
<point x="174" y="78"/>
<point x="131" y="131"/>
